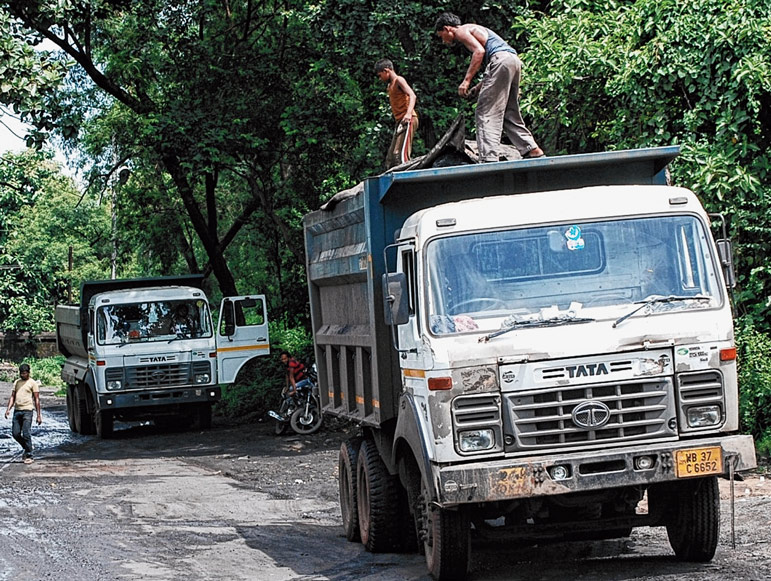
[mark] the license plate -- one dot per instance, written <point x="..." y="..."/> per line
<point x="699" y="462"/>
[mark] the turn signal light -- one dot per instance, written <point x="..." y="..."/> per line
<point x="728" y="354"/>
<point x="439" y="383"/>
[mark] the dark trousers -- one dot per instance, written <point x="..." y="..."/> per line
<point x="21" y="430"/>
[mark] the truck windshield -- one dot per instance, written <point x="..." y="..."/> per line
<point x="152" y="321"/>
<point x="593" y="269"/>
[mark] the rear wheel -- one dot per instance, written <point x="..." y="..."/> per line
<point x="377" y="501"/>
<point x="347" y="461"/>
<point x="87" y="426"/>
<point x="445" y="535"/>
<point x="695" y="525"/>
<point x="71" y="409"/>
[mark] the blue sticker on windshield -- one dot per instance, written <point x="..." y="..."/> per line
<point x="574" y="240"/>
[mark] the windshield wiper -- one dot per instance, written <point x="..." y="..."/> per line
<point x="554" y="322"/>
<point x="660" y="299"/>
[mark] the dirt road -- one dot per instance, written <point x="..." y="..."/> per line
<point x="238" y="503"/>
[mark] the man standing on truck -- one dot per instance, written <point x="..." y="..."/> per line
<point x="26" y="398"/>
<point x="498" y="101"/>
<point x="403" y="100"/>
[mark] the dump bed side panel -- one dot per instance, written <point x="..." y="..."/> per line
<point x="356" y="370"/>
<point x="70" y="335"/>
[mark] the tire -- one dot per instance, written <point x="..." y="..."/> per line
<point x="306" y="423"/>
<point x="281" y="427"/>
<point x="71" y="408"/>
<point x="695" y="526"/>
<point x="204" y="416"/>
<point x="377" y="499"/>
<point x="87" y="427"/>
<point x="103" y="424"/>
<point x="347" y="461"/>
<point x="446" y="538"/>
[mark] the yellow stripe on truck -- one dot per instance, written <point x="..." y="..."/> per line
<point x="242" y="348"/>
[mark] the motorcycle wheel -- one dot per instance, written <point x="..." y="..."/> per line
<point x="281" y="426"/>
<point x="306" y="423"/>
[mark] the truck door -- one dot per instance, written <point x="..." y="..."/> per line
<point x="242" y="334"/>
<point x="409" y="333"/>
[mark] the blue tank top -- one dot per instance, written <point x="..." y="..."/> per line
<point x="495" y="44"/>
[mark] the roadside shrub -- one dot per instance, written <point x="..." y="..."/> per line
<point x="47" y="371"/>
<point x="753" y="348"/>
<point x="257" y="388"/>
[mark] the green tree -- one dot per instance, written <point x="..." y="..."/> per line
<point x="42" y="217"/>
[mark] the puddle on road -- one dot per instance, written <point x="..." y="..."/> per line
<point x="53" y="432"/>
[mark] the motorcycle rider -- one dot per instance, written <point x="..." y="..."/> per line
<point x="296" y="374"/>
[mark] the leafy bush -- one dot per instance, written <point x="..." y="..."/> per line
<point x="47" y="371"/>
<point x="753" y="348"/>
<point x="258" y="386"/>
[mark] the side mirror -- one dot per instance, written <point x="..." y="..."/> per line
<point x="725" y="252"/>
<point x="229" y="318"/>
<point x="395" y="298"/>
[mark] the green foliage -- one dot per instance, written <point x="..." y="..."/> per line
<point x="42" y="216"/>
<point x="47" y="371"/>
<point x="258" y="386"/>
<point x="753" y="348"/>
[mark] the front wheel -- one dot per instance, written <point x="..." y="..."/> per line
<point x="694" y="528"/>
<point x="204" y="416"/>
<point x="281" y="425"/>
<point x="103" y="424"/>
<point x="445" y="535"/>
<point x="307" y="419"/>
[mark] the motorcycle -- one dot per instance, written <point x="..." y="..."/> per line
<point x="302" y="410"/>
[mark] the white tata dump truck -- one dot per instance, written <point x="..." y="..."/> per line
<point x="529" y="347"/>
<point x="146" y="349"/>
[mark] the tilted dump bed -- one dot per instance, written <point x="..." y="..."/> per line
<point x="72" y="321"/>
<point x="345" y="243"/>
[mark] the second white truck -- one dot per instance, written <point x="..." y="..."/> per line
<point x="142" y="349"/>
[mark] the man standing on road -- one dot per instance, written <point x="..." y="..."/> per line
<point x="498" y="100"/>
<point x="26" y="398"/>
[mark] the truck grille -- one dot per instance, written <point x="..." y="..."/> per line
<point x="543" y="418"/>
<point x="164" y="375"/>
<point x="704" y="386"/>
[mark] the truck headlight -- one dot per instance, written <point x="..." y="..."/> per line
<point x="476" y="440"/>
<point x="114" y="384"/>
<point x="202" y="378"/>
<point x="703" y="416"/>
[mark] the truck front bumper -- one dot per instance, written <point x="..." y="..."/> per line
<point x="160" y="397"/>
<point x="526" y="477"/>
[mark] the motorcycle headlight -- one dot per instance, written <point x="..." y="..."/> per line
<point x="476" y="440"/>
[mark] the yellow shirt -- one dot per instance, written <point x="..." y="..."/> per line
<point x="25" y="401"/>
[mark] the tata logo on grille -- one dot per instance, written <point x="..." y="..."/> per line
<point x="588" y="370"/>
<point x="590" y="415"/>
<point x="156" y="359"/>
<point x="158" y="375"/>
